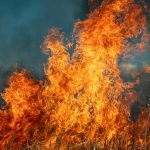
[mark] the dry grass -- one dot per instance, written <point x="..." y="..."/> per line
<point x="116" y="144"/>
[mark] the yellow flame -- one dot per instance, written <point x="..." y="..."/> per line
<point x="83" y="98"/>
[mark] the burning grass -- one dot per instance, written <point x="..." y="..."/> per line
<point x="82" y="103"/>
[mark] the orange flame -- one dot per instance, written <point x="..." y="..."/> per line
<point x="83" y="99"/>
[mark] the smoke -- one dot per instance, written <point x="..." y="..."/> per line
<point x="133" y="69"/>
<point x="24" y="24"/>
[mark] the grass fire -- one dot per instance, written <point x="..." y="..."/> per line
<point x="82" y="102"/>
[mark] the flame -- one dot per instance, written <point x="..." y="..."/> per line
<point x="147" y="69"/>
<point x="82" y="98"/>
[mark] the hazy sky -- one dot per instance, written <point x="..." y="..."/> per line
<point x="24" y="23"/>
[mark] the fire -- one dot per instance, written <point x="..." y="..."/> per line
<point x="82" y="101"/>
<point x="147" y="69"/>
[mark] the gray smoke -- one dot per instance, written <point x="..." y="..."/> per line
<point x="23" y="25"/>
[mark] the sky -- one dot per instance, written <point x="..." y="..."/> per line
<point x="23" y="26"/>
